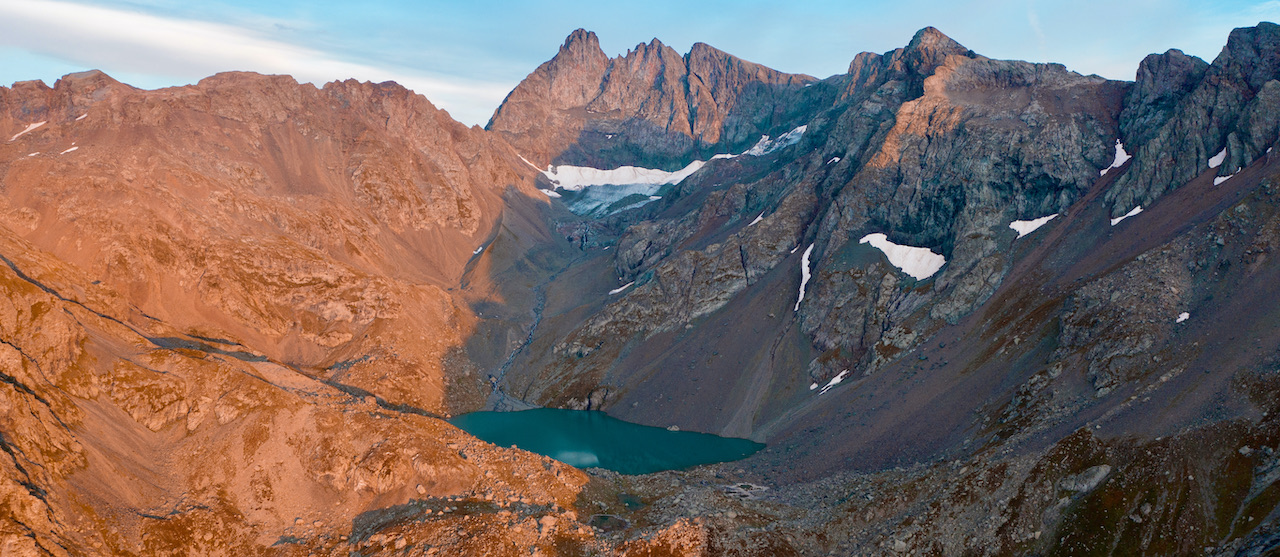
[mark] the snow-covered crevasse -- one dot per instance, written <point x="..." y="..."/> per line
<point x="804" y="274"/>
<point x="920" y="263"/>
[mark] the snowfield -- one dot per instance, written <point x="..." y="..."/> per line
<point x="574" y="178"/>
<point x="766" y="145"/>
<point x="920" y="263"/>
<point x="1024" y="227"/>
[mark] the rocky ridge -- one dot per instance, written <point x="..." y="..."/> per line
<point x="650" y="107"/>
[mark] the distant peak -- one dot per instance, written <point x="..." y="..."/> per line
<point x="581" y="38"/>
<point x="930" y="38"/>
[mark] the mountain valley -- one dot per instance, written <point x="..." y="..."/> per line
<point x="970" y="306"/>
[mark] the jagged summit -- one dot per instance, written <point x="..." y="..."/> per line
<point x="927" y="50"/>
<point x="580" y="43"/>
<point x="651" y="96"/>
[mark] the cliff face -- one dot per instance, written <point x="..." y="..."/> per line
<point x="651" y="106"/>
<point x="1185" y="114"/>
<point x="933" y="145"/>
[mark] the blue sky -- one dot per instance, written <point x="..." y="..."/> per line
<point x="465" y="56"/>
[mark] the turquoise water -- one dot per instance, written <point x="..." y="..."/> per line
<point x="594" y="439"/>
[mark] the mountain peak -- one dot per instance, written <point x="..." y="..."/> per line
<point x="581" y="39"/>
<point x="931" y="39"/>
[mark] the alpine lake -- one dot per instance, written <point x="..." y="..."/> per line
<point x="588" y="439"/>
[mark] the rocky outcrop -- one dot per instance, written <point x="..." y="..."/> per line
<point x="1230" y="110"/>
<point x="651" y="107"/>
<point x="1162" y="81"/>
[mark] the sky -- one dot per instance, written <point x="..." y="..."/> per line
<point x="465" y="56"/>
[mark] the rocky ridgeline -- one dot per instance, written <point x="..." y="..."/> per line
<point x="651" y="107"/>
<point x="1181" y="114"/>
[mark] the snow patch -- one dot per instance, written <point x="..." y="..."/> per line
<point x="1121" y="158"/>
<point x="758" y="219"/>
<point x="1220" y="179"/>
<point x="766" y="145"/>
<point x="550" y="193"/>
<point x="526" y="161"/>
<point x="478" y="250"/>
<point x="1131" y="213"/>
<point x="920" y="263"/>
<point x="654" y="197"/>
<point x="1024" y="227"/>
<point x="1216" y="160"/>
<point x="833" y="160"/>
<point x="1183" y="317"/>
<point x="813" y="386"/>
<point x="804" y="274"/>
<point x="70" y="149"/>
<point x="834" y="381"/>
<point x="621" y="288"/>
<point x="33" y="154"/>
<point x="30" y="127"/>
<point x="575" y="178"/>
<point x="82" y="116"/>
<point x="722" y="156"/>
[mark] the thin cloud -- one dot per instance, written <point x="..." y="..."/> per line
<point x="116" y="40"/>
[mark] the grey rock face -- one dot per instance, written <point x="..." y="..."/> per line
<point x="938" y="148"/>
<point x="1232" y="107"/>
<point x="1163" y="80"/>
<point x="988" y="142"/>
